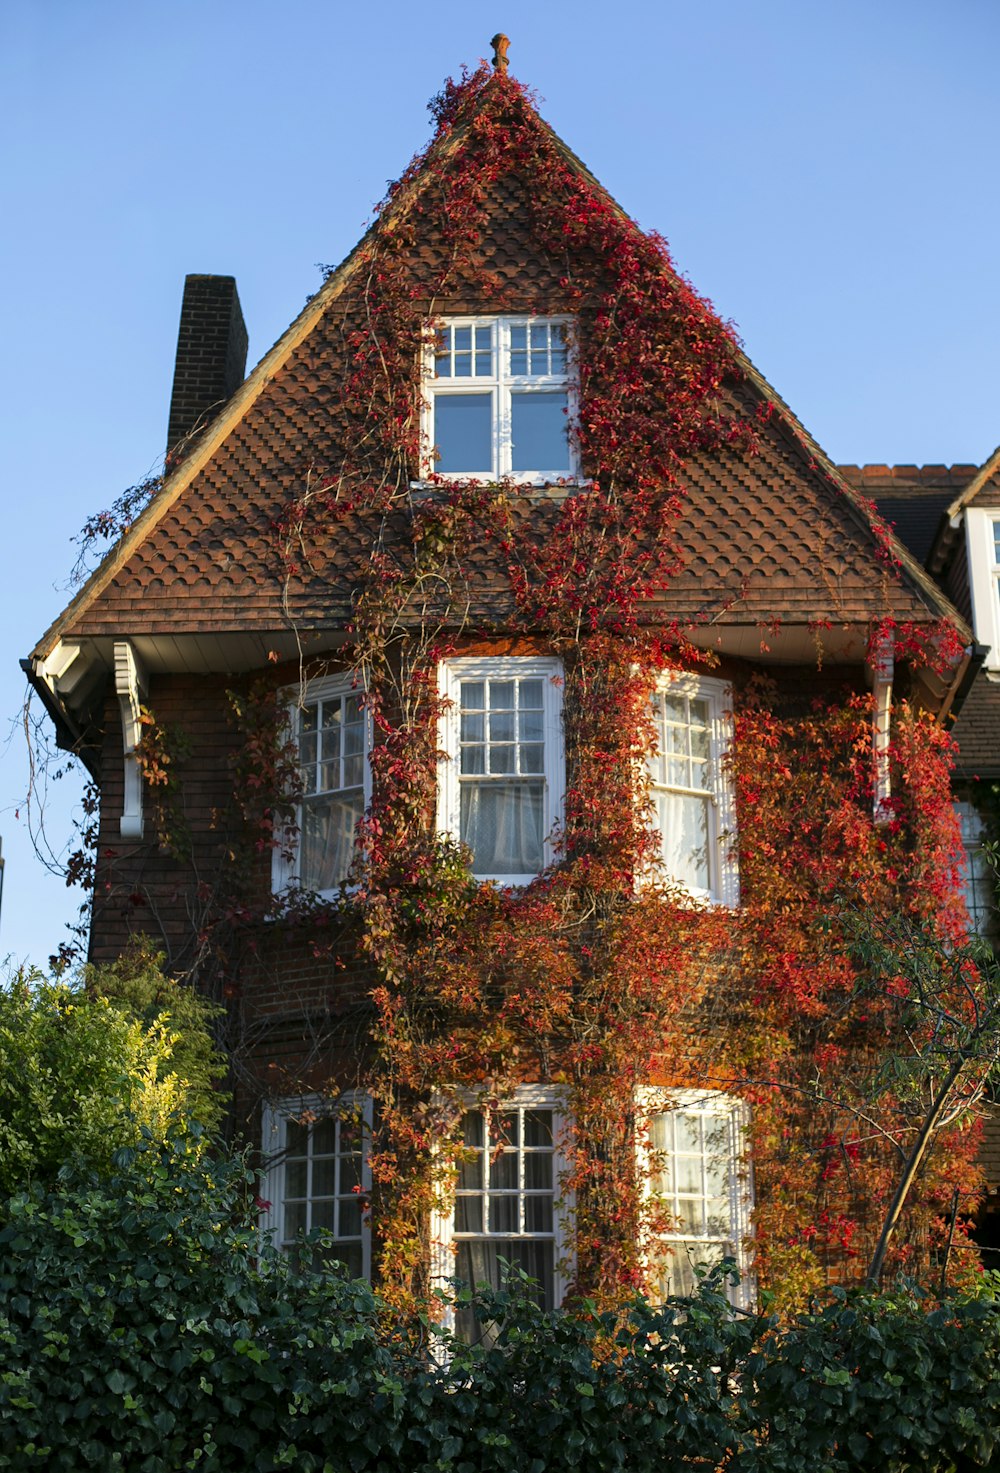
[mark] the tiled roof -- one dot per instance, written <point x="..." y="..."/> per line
<point x="912" y="498"/>
<point x="763" y="538"/>
<point x="775" y="536"/>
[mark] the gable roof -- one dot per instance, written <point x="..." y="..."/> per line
<point x="783" y="537"/>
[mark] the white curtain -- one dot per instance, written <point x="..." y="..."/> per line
<point x="503" y="825"/>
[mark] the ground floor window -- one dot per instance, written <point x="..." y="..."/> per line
<point x="316" y="1155"/>
<point x="699" y="1187"/>
<point x="507" y="1205"/>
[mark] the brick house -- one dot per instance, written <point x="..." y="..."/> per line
<point x="414" y="700"/>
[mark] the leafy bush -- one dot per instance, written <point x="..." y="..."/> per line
<point x="82" y="1069"/>
<point x="144" y="1326"/>
<point x="137" y="986"/>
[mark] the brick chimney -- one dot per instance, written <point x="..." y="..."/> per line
<point x="211" y="356"/>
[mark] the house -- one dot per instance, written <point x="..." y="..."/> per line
<point x="949" y="518"/>
<point x="496" y="705"/>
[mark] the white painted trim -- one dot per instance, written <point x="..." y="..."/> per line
<point x="724" y="888"/>
<point x="984" y="579"/>
<point x="501" y="385"/>
<point x="273" y="1148"/>
<point x="442" y="1223"/>
<point x="285" y="870"/>
<point x="130" y="684"/>
<point x="735" y="1114"/>
<point x="882" y="670"/>
<point x="491" y="667"/>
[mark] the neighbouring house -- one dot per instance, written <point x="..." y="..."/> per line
<point x="949" y="518"/>
<point x="498" y="706"/>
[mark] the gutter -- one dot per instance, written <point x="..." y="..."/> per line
<point x="69" y="735"/>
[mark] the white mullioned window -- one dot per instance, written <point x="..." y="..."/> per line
<point x="507" y="1202"/>
<point x="503" y="771"/>
<point x="317" y="1176"/>
<point x="692" y="798"/>
<point x="499" y="399"/>
<point x="691" y="1153"/>
<point x="331" y="733"/>
<point x="982" y="532"/>
<point x="978" y="880"/>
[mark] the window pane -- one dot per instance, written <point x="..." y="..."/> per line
<point x="503" y="1217"/>
<point x="326" y="842"/>
<point x="324" y="1177"/>
<point x="323" y="1215"/>
<point x="295" y="1179"/>
<point x="295" y="1220"/>
<point x="324" y="1137"/>
<point x="472" y="1128"/>
<point x="538" y="1171"/>
<point x="469" y="1215"/>
<point x="296" y="1138"/>
<point x="350" y="1255"/>
<point x="350" y="1217"/>
<point x="538" y="1128"/>
<point x="684" y="827"/>
<point x="539" y="433"/>
<point x="502" y="823"/>
<point x="470" y="1174"/>
<point x="687" y="1130"/>
<point x="538" y="1214"/>
<point x="463" y="433"/>
<point x="503" y="1171"/>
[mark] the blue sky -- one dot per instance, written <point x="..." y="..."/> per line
<point x="824" y="173"/>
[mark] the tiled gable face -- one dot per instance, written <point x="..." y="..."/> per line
<point x="762" y="537"/>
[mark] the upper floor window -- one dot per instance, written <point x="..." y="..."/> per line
<point x="982" y="525"/>
<point x="978" y="880"/>
<point x="695" y="1175"/>
<point x="330" y="731"/>
<point x="317" y="1176"/>
<point x="691" y="793"/>
<point x="499" y="397"/>
<point x="503" y="777"/>
<point x="507" y="1203"/>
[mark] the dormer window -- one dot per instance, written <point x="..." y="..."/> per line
<point x="983" y="542"/>
<point x="499" y="398"/>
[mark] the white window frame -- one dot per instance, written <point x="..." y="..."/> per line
<point x="733" y="1117"/>
<point x="724" y="883"/>
<point x="976" y="872"/>
<point x="501" y="384"/>
<point x="445" y="1240"/>
<point x="274" y="1124"/>
<point x="982" y="526"/>
<point x="502" y="667"/>
<point x="285" y="857"/>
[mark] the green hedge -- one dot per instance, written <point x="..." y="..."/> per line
<point x="143" y="1327"/>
